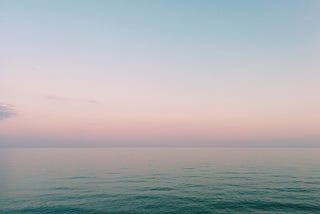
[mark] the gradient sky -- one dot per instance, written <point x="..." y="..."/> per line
<point x="160" y="73"/>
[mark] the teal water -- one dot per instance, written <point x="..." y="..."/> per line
<point x="159" y="180"/>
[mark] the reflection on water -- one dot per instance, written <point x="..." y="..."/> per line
<point x="159" y="180"/>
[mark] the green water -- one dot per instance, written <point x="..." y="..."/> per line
<point x="159" y="180"/>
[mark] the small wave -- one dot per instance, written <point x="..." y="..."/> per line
<point x="80" y="177"/>
<point x="54" y="210"/>
<point x="266" y="206"/>
<point x="161" y="189"/>
<point x="63" y="188"/>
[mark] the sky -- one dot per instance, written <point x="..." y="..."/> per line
<point x="159" y="73"/>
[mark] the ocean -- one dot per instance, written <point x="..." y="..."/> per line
<point x="159" y="180"/>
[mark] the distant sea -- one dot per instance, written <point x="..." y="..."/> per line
<point x="159" y="180"/>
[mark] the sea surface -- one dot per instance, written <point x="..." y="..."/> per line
<point x="159" y="180"/>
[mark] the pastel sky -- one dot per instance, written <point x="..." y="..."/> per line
<point x="160" y="73"/>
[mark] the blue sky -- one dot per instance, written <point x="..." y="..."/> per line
<point x="160" y="71"/>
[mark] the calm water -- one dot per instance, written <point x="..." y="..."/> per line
<point x="159" y="180"/>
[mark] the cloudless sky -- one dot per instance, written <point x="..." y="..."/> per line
<point x="160" y="73"/>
